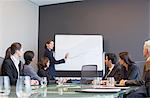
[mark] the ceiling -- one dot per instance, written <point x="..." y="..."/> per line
<point x="48" y="2"/>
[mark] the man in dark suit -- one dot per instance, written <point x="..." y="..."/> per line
<point x="112" y="69"/>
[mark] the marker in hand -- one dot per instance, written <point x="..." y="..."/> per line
<point x="66" y="56"/>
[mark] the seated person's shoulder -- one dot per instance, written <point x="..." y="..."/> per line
<point x="147" y="66"/>
<point x="6" y="62"/>
<point x="41" y="72"/>
<point x="134" y="66"/>
<point x="117" y="66"/>
<point x="27" y="67"/>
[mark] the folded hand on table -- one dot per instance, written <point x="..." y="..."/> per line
<point x="122" y="82"/>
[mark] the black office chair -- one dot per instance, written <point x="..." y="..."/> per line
<point x="88" y="73"/>
<point x="140" y="65"/>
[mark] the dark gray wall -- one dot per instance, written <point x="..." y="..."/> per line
<point x="123" y="23"/>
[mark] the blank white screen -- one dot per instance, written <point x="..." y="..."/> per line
<point x="82" y="49"/>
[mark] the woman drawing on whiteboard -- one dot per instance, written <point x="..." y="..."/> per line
<point x="49" y="45"/>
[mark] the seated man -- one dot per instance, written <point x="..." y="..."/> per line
<point x="144" y="91"/>
<point x="112" y="69"/>
<point x="147" y="82"/>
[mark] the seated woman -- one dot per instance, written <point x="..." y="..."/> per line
<point x="27" y="67"/>
<point x="130" y="70"/>
<point x="11" y="66"/>
<point x="43" y="70"/>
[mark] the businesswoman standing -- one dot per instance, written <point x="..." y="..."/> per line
<point x="12" y="65"/>
<point x="130" y="70"/>
<point x="49" y="45"/>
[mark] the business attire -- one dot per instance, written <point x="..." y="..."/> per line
<point x="29" y="71"/>
<point x="12" y="67"/>
<point x="115" y="72"/>
<point x="49" y="53"/>
<point x="133" y="73"/>
<point x="143" y="91"/>
<point x="146" y="68"/>
<point x="139" y="93"/>
<point x="142" y="79"/>
<point x="45" y="73"/>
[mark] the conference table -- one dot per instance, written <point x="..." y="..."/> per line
<point x="71" y="91"/>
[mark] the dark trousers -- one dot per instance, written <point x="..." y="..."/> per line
<point x="142" y="92"/>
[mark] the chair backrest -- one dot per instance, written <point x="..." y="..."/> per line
<point x="140" y="65"/>
<point x="88" y="73"/>
<point x="1" y="61"/>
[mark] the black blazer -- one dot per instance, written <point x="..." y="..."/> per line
<point x="48" y="53"/>
<point x="9" y="69"/>
<point x="133" y="73"/>
<point x="146" y="73"/>
<point x="45" y="73"/>
<point x="142" y="91"/>
<point x="116" y="73"/>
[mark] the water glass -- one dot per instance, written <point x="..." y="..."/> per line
<point x="95" y="81"/>
<point x="43" y="81"/>
<point x="60" y="81"/>
<point x="23" y="87"/>
<point x="4" y="86"/>
<point x="110" y="81"/>
<point x="43" y="92"/>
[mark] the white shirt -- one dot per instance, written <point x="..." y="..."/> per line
<point x="16" y="61"/>
<point x="110" y="69"/>
<point x="148" y="59"/>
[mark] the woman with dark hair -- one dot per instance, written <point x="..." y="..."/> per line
<point x="43" y="69"/>
<point x="12" y="64"/>
<point x="49" y="45"/>
<point x="130" y="70"/>
<point x="27" y="67"/>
